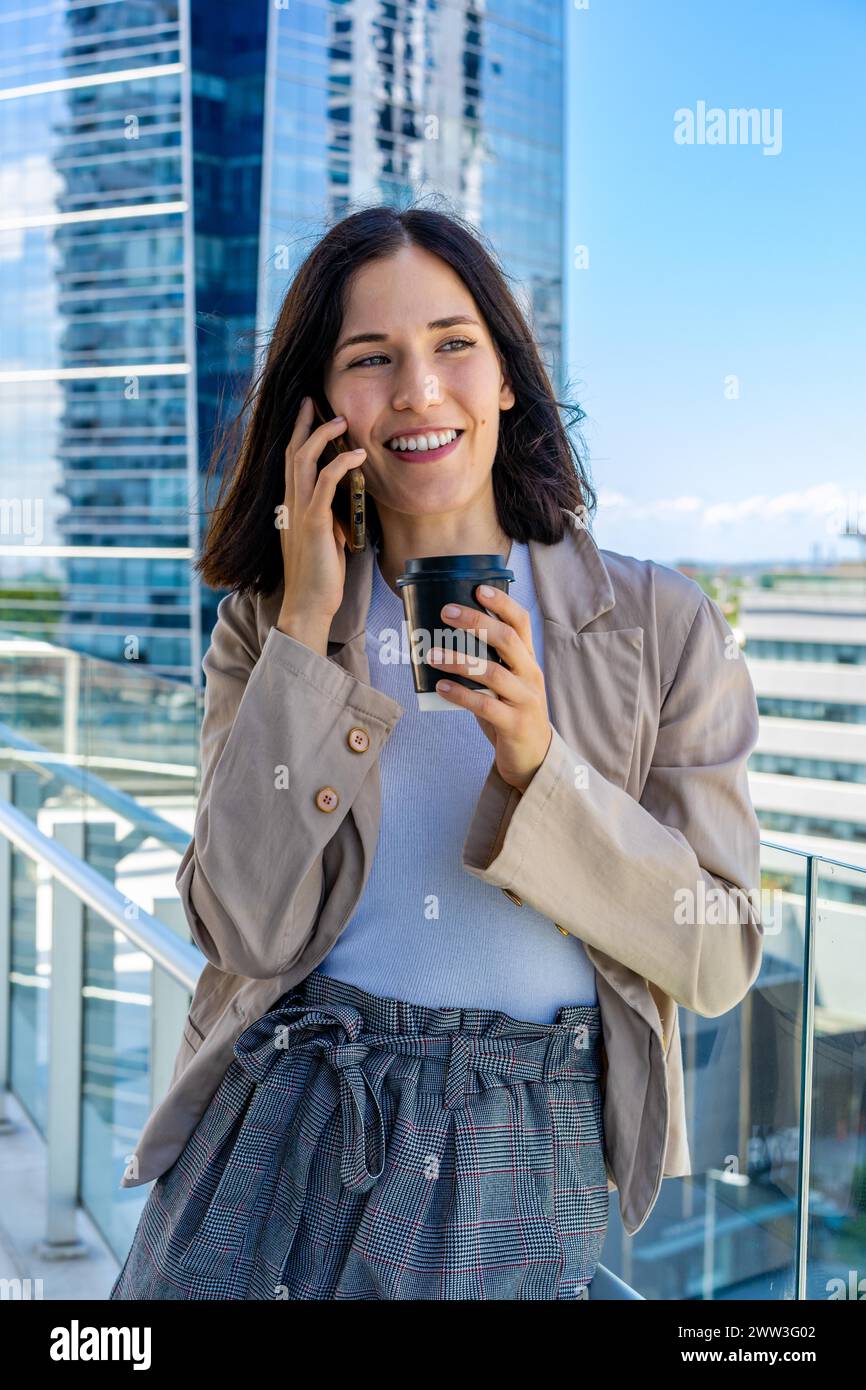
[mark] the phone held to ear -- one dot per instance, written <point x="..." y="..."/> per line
<point x="350" y="497"/>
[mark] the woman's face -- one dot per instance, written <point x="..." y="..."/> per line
<point x="408" y="378"/>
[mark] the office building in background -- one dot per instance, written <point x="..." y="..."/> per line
<point x="165" y="165"/>
<point x="805" y="644"/>
<point x="96" y="288"/>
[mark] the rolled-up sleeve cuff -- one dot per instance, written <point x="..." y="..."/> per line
<point x="332" y="681"/>
<point x="506" y="822"/>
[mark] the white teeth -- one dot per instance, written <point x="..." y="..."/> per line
<point x="411" y="443"/>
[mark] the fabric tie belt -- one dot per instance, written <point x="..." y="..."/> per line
<point x="361" y="1061"/>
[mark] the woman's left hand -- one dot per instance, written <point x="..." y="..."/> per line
<point x="516" y="723"/>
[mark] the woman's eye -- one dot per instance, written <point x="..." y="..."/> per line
<point x="365" y="361"/>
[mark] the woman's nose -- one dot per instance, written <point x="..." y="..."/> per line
<point x="417" y="388"/>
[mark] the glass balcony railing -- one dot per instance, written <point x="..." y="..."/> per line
<point x="98" y="785"/>
<point x="102" y="761"/>
<point x="776" y="1113"/>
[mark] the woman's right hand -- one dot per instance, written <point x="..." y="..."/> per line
<point x="313" y="544"/>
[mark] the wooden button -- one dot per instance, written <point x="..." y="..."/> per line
<point x="327" y="799"/>
<point x="513" y="896"/>
<point x="358" y="740"/>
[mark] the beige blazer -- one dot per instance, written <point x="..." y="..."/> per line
<point x="636" y="825"/>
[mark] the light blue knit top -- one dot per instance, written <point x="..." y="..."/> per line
<point x="425" y="930"/>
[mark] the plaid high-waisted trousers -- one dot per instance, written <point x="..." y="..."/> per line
<point x="360" y="1147"/>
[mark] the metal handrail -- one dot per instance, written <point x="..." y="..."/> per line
<point x="171" y="835"/>
<point x="85" y="782"/>
<point x="148" y="932"/>
<point x="810" y="854"/>
<point x="180" y="959"/>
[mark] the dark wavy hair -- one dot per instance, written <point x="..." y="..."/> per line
<point x="537" y="470"/>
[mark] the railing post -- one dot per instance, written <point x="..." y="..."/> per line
<point x="807" y="1052"/>
<point x="63" y="1129"/>
<point x="6" y="1125"/>
<point x="21" y="789"/>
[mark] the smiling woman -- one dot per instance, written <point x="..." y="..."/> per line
<point x="447" y="1021"/>
<point x="403" y="322"/>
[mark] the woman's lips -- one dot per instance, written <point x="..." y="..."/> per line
<point x="424" y="455"/>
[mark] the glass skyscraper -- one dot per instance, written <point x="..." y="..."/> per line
<point x="165" y="165"/>
<point x="96" y="393"/>
<point x="372" y="102"/>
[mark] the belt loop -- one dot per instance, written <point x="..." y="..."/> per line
<point x="556" y="1055"/>
<point x="457" y="1073"/>
<point x="579" y="1052"/>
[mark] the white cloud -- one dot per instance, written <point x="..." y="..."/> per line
<point x="824" y="500"/>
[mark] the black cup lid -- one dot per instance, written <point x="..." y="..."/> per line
<point x="480" y="567"/>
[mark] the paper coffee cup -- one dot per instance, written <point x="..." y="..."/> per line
<point x="426" y="585"/>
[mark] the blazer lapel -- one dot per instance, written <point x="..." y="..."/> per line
<point x="592" y="678"/>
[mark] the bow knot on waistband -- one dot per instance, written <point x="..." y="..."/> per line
<point x="360" y="1062"/>
<point x="333" y="1031"/>
<point x="262" y="1044"/>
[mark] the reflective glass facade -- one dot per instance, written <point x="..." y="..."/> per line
<point x="372" y="102"/>
<point x="165" y="164"/>
<point x="94" y="368"/>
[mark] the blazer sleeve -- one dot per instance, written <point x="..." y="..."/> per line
<point x="668" y="884"/>
<point x="274" y="731"/>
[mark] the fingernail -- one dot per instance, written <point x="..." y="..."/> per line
<point x="451" y="610"/>
<point x="485" y="591"/>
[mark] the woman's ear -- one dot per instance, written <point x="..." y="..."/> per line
<point x="507" y="397"/>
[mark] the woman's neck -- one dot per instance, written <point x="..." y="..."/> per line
<point x="392" y="564"/>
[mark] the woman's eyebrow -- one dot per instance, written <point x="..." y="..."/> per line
<point x="432" y="327"/>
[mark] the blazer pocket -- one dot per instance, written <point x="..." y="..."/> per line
<point x="189" y="1044"/>
<point x="214" y="993"/>
<point x="193" y="1035"/>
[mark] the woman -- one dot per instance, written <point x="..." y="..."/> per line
<point x="396" y="1083"/>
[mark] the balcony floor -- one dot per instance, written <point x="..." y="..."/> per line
<point x="23" y="1187"/>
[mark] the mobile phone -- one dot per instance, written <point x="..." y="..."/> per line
<point x="350" y="497"/>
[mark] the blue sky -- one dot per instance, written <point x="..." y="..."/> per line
<point x="708" y="262"/>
